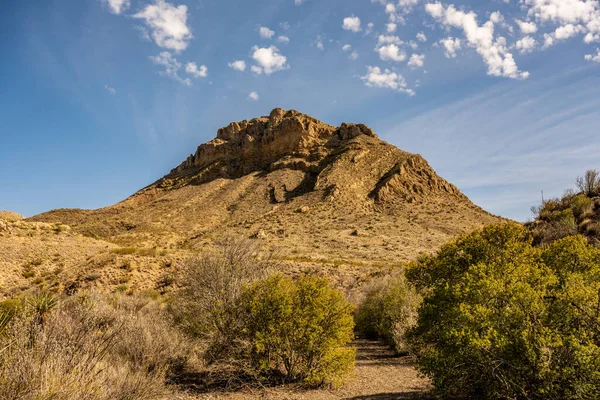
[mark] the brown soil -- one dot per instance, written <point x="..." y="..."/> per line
<point x="378" y="375"/>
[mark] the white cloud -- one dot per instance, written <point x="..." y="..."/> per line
<point x="592" y="57"/>
<point x="265" y="32"/>
<point x="346" y="47"/>
<point x="590" y="38"/>
<point x="238" y="65"/>
<point x="563" y="11"/>
<point x="353" y="56"/>
<point x="118" y="6"/>
<point x="369" y="29"/>
<point x="391" y="27"/>
<point x="298" y="2"/>
<point x="172" y="67"/>
<point x="352" y="24"/>
<point x="168" y="24"/>
<point x="416" y="60"/>
<point x="268" y="60"/>
<point x="562" y="33"/>
<point x="436" y="10"/>
<point x="450" y="46"/>
<point x="253" y="96"/>
<point x="376" y="77"/>
<point x="110" y="89"/>
<point x="526" y="44"/>
<point x="192" y="69"/>
<point x="493" y="51"/>
<point x="391" y="52"/>
<point x="285" y="25"/>
<point x="527" y="27"/>
<point x="383" y="39"/>
<point x="584" y="15"/>
<point x="407" y="5"/>
<point x="319" y="43"/>
<point x="413" y="45"/>
<point x="283" y="39"/>
<point x="421" y="37"/>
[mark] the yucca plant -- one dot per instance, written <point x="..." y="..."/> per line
<point x="41" y="304"/>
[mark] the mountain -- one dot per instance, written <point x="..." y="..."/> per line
<point x="337" y="199"/>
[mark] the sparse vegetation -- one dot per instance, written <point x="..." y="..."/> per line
<point x="502" y="319"/>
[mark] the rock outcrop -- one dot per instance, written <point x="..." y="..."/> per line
<point x="284" y="139"/>
<point x="348" y="161"/>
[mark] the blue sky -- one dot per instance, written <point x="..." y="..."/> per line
<point x="99" y="98"/>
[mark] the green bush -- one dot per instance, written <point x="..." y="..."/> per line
<point x="580" y="204"/>
<point x="299" y="329"/>
<point x="388" y="309"/>
<point x="502" y="319"/>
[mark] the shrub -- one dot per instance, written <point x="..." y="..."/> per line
<point x="589" y="184"/>
<point x="211" y="285"/>
<point x="89" y="348"/>
<point x="387" y="310"/>
<point x="299" y="329"/>
<point x="580" y="204"/>
<point x="502" y="319"/>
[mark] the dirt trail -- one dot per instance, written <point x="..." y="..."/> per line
<point x="378" y="376"/>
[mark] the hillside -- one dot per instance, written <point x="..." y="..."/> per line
<point x="336" y="199"/>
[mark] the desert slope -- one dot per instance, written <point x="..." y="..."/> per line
<point x="338" y="198"/>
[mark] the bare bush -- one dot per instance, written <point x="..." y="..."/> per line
<point x="211" y="285"/>
<point x="589" y="184"/>
<point x="90" y="348"/>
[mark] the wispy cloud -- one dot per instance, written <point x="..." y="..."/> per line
<point x="110" y="89"/>
<point x="118" y="6"/>
<point x="171" y="67"/>
<point x="502" y="140"/>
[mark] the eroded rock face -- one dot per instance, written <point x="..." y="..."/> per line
<point x="410" y="180"/>
<point x="346" y="164"/>
<point x="247" y="146"/>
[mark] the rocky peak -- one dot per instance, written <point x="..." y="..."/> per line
<point x="246" y="146"/>
<point x="297" y="154"/>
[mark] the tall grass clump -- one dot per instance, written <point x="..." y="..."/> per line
<point x="89" y="347"/>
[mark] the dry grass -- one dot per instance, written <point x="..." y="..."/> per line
<point x="90" y="348"/>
